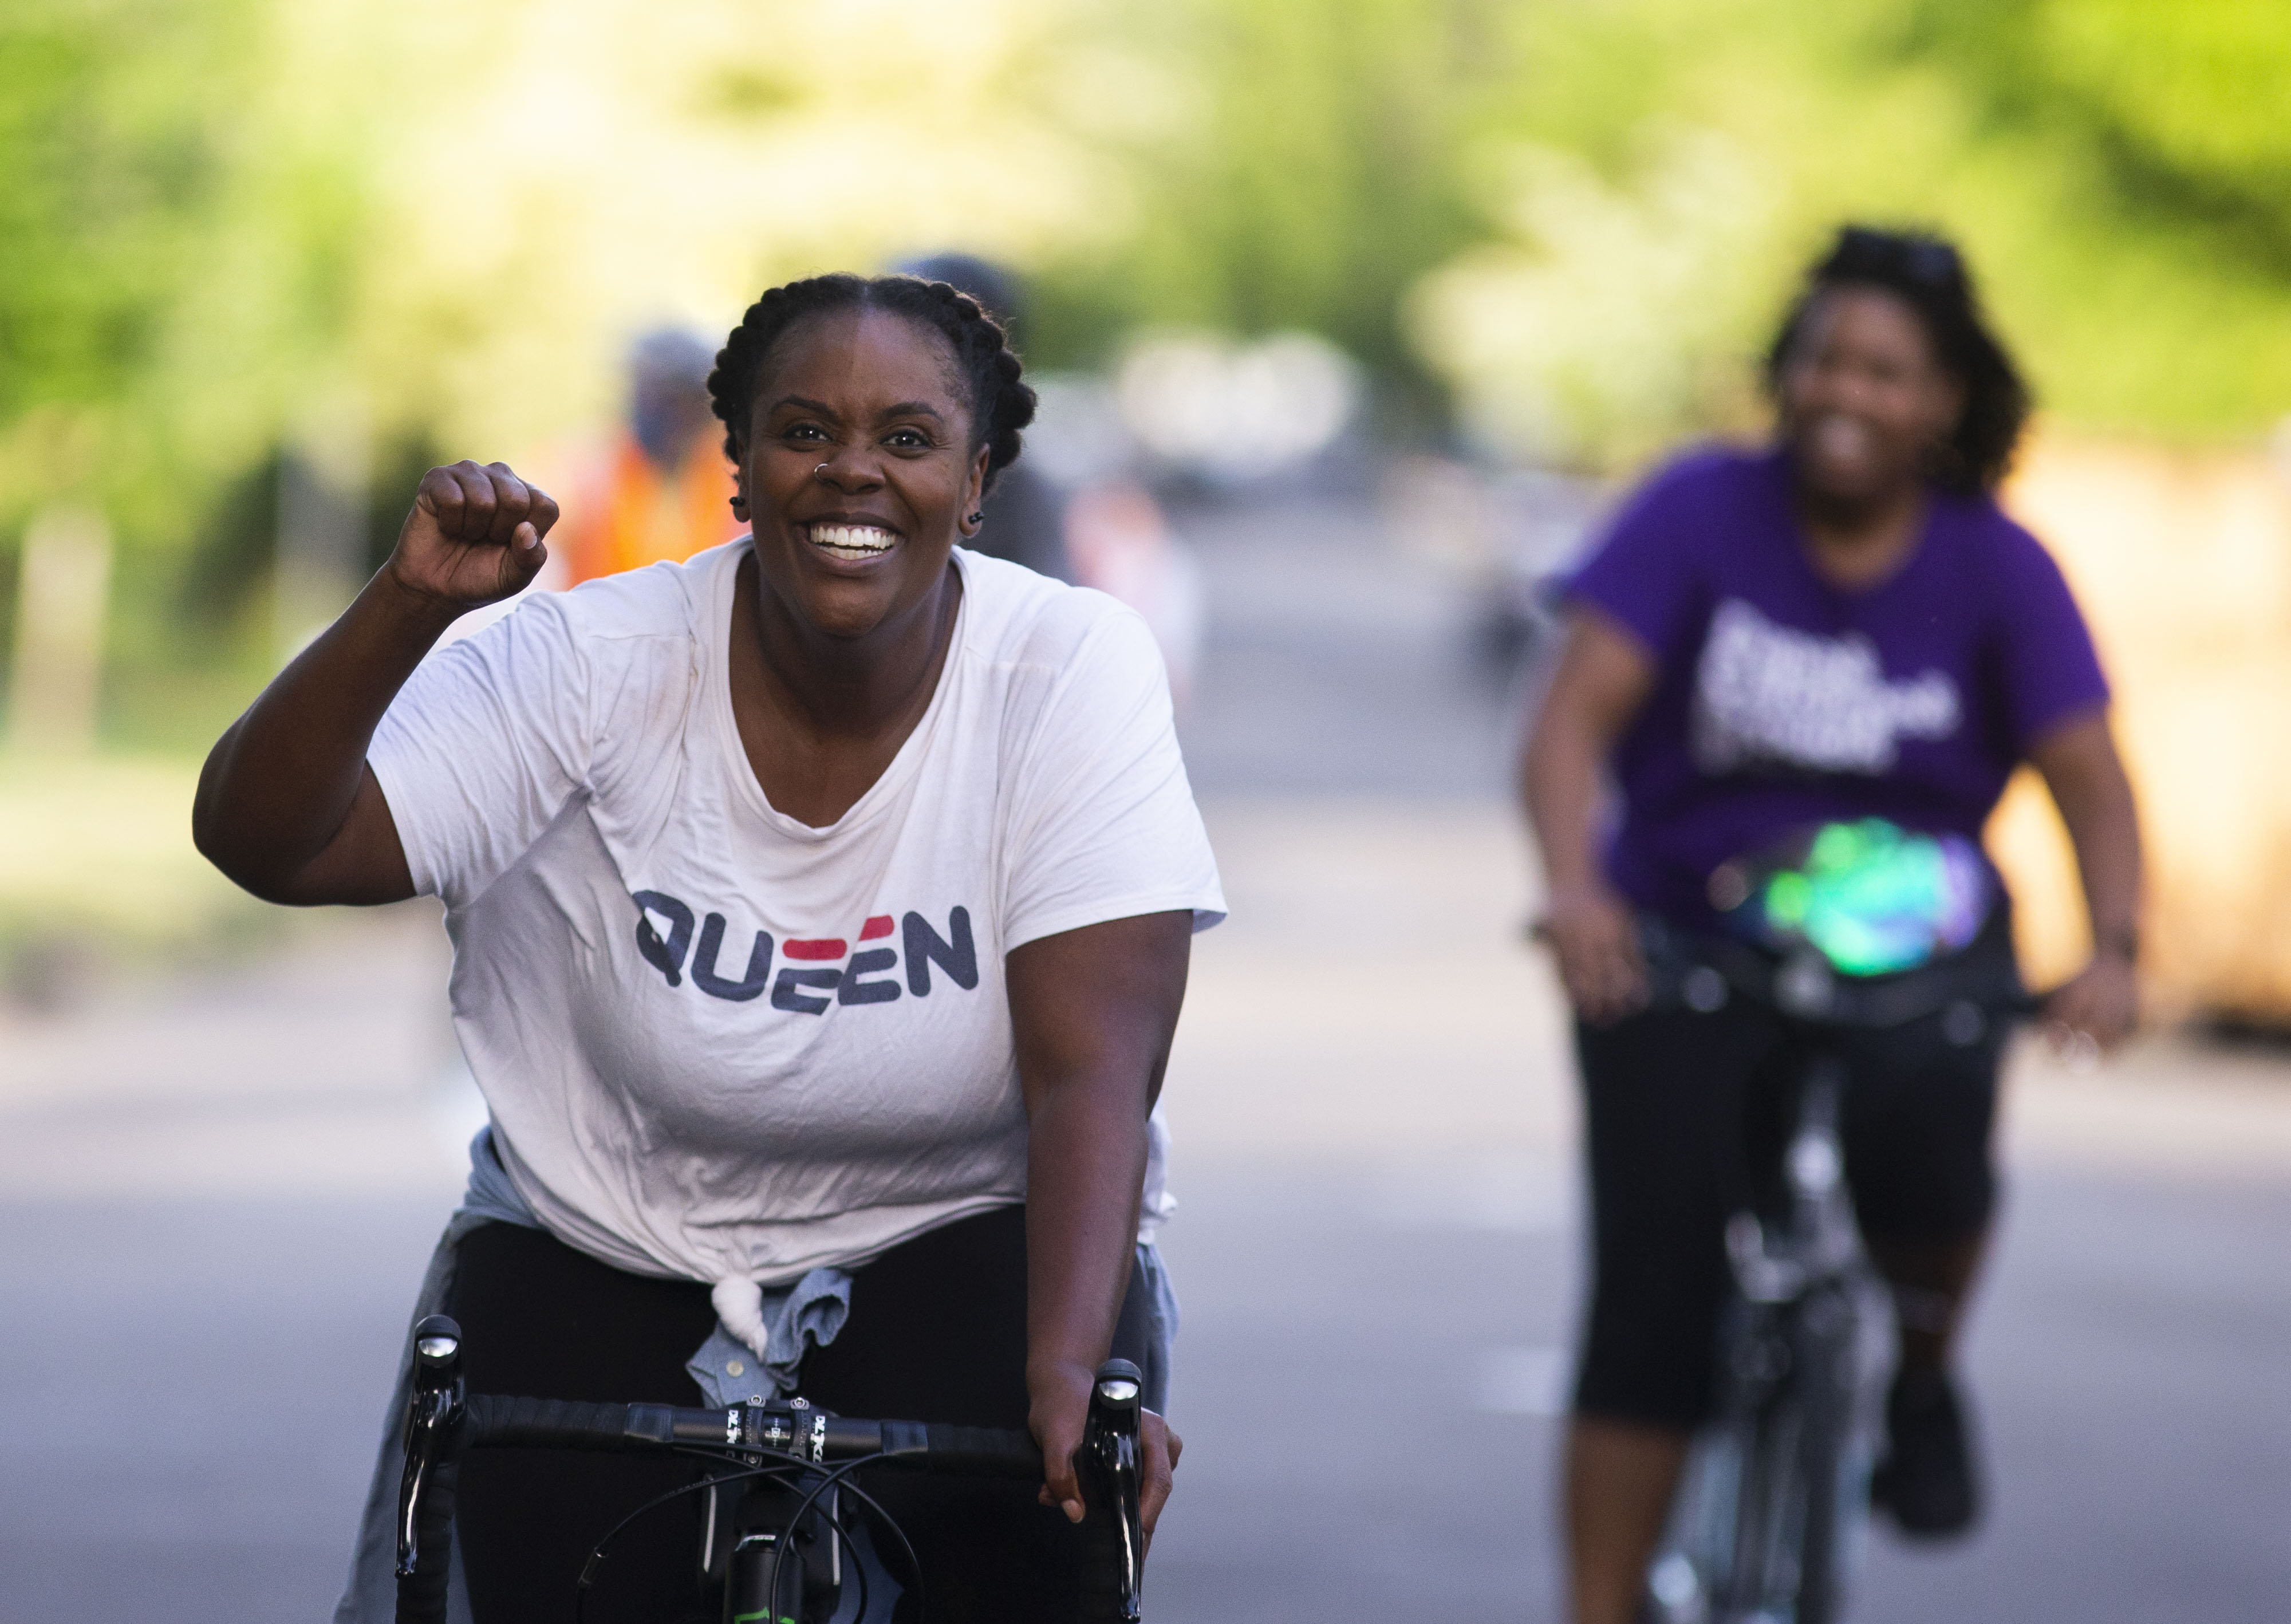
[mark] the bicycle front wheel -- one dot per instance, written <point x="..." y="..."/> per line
<point x="1774" y="1558"/>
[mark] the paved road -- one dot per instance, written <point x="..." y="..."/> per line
<point x="221" y="1190"/>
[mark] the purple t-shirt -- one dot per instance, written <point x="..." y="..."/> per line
<point x="1782" y="700"/>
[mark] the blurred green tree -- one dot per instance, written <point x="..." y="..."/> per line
<point x="1299" y="169"/>
<point x="176" y="260"/>
<point x="2183" y="102"/>
<point x="1575" y="220"/>
<point x="2119" y="173"/>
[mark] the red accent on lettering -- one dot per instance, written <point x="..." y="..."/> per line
<point x="832" y="948"/>
<point x="881" y="925"/>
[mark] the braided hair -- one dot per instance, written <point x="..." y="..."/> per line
<point x="1927" y="274"/>
<point x="1001" y="404"/>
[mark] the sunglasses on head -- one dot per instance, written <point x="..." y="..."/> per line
<point x="1926" y="260"/>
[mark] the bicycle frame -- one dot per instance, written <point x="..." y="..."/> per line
<point x="1776" y="1489"/>
<point x="1775" y="1483"/>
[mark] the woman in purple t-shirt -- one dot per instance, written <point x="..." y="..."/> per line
<point x="1843" y="628"/>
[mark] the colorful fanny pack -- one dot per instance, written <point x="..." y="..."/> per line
<point x="1871" y="898"/>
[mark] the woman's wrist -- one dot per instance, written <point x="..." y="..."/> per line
<point x="407" y="621"/>
<point x="1057" y="1369"/>
<point x="1586" y="891"/>
<point x="409" y="608"/>
<point x="1053" y="1371"/>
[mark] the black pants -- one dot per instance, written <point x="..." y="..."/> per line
<point x="937" y="1332"/>
<point x="1916" y="1123"/>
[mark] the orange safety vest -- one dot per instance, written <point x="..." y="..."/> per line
<point x="636" y="515"/>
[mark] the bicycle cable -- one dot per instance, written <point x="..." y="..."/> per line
<point x="867" y="1501"/>
<point x="827" y="1481"/>
<point x="580" y="1586"/>
<point x="780" y="1471"/>
<point x="858" y="1566"/>
<point x="745" y="1461"/>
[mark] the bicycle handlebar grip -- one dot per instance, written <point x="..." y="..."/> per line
<point x="496" y="1421"/>
<point x="1114" y="1544"/>
<point x="981" y="1451"/>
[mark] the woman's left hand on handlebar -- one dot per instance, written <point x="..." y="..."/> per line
<point x="2100" y="1006"/>
<point x="1061" y="1410"/>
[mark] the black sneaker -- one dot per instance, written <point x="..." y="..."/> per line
<point x="1925" y="1481"/>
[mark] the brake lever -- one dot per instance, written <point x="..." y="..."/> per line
<point x="1111" y="1456"/>
<point x="433" y="1410"/>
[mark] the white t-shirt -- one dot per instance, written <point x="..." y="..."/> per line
<point x="719" y="1043"/>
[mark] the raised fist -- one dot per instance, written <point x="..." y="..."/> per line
<point x="474" y="536"/>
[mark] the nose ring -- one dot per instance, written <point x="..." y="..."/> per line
<point x="819" y="471"/>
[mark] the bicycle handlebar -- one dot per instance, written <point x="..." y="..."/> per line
<point x="497" y="1421"/>
<point x="443" y="1420"/>
<point x="1702" y="974"/>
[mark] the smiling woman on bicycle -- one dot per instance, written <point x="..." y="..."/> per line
<point x="821" y="911"/>
<point x="1843" y="628"/>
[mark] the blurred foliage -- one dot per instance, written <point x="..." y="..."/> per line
<point x="1291" y="164"/>
<point x="2182" y="101"/>
<point x="176" y="248"/>
<point x="1583" y="218"/>
<point x="179" y="219"/>
<point x="225" y="224"/>
<point x="2130" y="242"/>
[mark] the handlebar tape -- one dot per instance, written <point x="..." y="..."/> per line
<point x="494" y="1421"/>
<point x="421" y="1599"/>
<point x="980" y="1451"/>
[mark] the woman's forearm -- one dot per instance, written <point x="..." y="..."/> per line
<point x="1604" y="676"/>
<point x="286" y="806"/>
<point x="2088" y="784"/>
<point x="1093" y="1011"/>
<point x="1085" y="1163"/>
<point x="2106" y="836"/>
<point x="279" y="785"/>
<point x="1560" y="774"/>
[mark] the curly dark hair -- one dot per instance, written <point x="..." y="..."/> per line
<point x="1001" y="404"/>
<point x="1927" y="273"/>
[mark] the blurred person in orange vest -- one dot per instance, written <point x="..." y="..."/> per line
<point x="662" y="489"/>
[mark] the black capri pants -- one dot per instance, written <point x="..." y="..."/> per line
<point x="1917" y="1120"/>
<point x="936" y="1333"/>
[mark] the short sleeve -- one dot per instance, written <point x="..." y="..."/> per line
<point x="1640" y="572"/>
<point x="1102" y="820"/>
<point x="2043" y="650"/>
<point x="483" y="747"/>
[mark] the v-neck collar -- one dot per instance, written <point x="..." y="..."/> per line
<point x="716" y="676"/>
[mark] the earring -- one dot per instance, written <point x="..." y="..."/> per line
<point x="739" y="507"/>
<point x="978" y="518"/>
